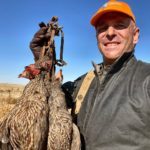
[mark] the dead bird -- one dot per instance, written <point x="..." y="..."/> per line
<point x="60" y="120"/>
<point x="63" y="133"/>
<point x="26" y="126"/>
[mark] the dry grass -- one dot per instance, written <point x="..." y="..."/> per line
<point x="8" y="102"/>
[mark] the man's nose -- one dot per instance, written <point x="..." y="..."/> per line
<point x="110" y="32"/>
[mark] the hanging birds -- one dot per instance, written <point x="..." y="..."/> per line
<point x="40" y="119"/>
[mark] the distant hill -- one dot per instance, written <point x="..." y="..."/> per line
<point x="9" y="93"/>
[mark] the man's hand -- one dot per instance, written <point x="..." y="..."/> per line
<point x="38" y="41"/>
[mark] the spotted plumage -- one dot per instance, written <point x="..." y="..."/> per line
<point x="40" y="120"/>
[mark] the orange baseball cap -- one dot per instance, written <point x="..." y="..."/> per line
<point x="111" y="6"/>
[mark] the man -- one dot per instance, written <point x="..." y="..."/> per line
<point x="116" y="108"/>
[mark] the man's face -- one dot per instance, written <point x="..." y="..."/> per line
<point x="116" y="34"/>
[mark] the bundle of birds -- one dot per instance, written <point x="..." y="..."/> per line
<point x="40" y="119"/>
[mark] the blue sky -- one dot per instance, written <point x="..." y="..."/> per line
<point x="19" y="21"/>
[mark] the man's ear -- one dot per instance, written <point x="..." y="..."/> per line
<point x="136" y="35"/>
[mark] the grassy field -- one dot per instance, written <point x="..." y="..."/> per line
<point x="9" y="94"/>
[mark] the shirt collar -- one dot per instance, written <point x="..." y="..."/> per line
<point x="116" y="66"/>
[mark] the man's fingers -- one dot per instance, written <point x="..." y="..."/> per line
<point x="41" y="31"/>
